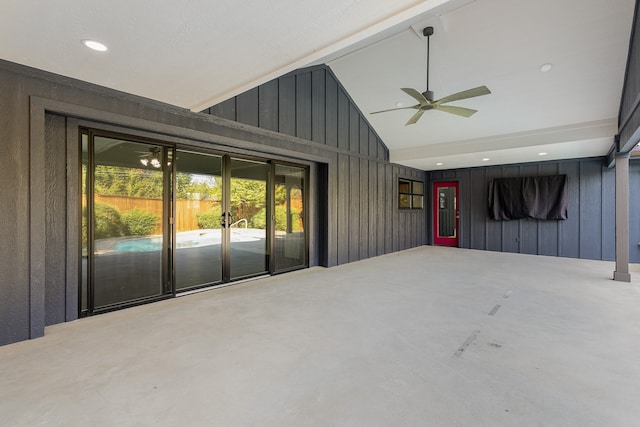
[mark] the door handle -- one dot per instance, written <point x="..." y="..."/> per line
<point x="223" y="220"/>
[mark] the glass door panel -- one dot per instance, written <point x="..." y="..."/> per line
<point x="289" y="243"/>
<point x="445" y="209"/>
<point x="128" y="205"/>
<point x="247" y="219"/>
<point x="198" y="254"/>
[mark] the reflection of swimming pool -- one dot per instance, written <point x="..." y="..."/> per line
<point x="138" y="245"/>
<point x="189" y="239"/>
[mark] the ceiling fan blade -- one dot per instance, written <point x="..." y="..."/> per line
<point x="416" y="95"/>
<point x="458" y="111"/>
<point x="394" y="109"/>
<point x="465" y="94"/>
<point x="415" y="117"/>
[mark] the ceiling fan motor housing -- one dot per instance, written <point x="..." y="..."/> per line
<point x="429" y="95"/>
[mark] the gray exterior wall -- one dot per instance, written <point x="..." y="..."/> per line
<point x="312" y="104"/>
<point x="353" y="191"/>
<point x="589" y="232"/>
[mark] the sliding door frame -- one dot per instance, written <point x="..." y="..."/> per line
<point x="167" y="241"/>
<point x="171" y="145"/>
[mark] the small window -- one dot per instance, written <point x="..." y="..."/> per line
<point x="410" y="194"/>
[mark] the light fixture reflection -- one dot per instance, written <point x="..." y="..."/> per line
<point x="155" y="163"/>
<point x="145" y="162"/>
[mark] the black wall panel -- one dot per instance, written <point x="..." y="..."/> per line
<point x="55" y="220"/>
<point x="381" y="209"/>
<point x="590" y="243"/>
<point x="247" y="107"/>
<point x="529" y="228"/>
<point x="364" y="209"/>
<point x="589" y="232"/>
<point x="286" y="105"/>
<point x="268" y="105"/>
<point x="475" y="198"/>
<point x="343" y="121"/>
<point x="318" y="107"/>
<point x="548" y="231"/>
<point x="226" y="109"/>
<point x="353" y="218"/>
<point x="364" y="138"/>
<point x="331" y="112"/>
<point x="608" y="215"/>
<point x="354" y="129"/>
<point x="343" y="220"/>
<point x="373" y="209"/>
<point x="569" y="230"/>
<point x="303" y="105"/>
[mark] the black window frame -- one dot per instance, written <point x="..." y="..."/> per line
<point x="412" y="192"/>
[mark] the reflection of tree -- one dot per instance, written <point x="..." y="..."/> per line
<point x="118" y="181"/>
<point x="248" y="197"/>
<point x="139" y="182"/>
<point x="206" y="187"/>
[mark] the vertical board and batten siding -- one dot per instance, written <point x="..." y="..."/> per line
<point x="310" y="104"/>
<point x="305" y="115"/>
<point x="589" y="231"/>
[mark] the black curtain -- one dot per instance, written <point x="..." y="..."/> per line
<point x="537" y="197"/>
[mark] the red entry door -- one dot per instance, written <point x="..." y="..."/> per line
<point x="445" y="213"/>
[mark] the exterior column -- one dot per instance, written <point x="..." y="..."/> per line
<point x="622" y="218"/>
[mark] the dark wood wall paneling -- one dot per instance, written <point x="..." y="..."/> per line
<point x="588" y="233"/>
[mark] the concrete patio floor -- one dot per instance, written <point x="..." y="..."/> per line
<point x="426" y="337"/>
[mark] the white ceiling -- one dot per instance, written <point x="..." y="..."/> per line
<point x="195" y="53"/>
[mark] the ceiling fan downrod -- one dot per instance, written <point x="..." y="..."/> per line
<point x="428" y="32"/>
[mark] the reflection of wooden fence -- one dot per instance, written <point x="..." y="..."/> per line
<point x="186" y="210"/>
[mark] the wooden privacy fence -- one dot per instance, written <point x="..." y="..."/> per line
<point x="186" y="210"/>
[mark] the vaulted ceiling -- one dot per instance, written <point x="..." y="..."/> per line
<point x="197" y="53"/>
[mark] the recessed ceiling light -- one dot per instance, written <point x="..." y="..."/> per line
<point x="92" y="44"/>
<point x="542" y="153"/>
<point x="399" y="104"/>
<point x="546" y="67"/>
<point x="486" y="159"/>
<point x="439" y="164"/>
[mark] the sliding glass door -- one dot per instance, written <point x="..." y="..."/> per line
<point x="247" y="218"/>
<point x="157" y="220"/>
<point x="125" y="233"/>
<point x="289" y="237"/>
<point x="198" y="213"/>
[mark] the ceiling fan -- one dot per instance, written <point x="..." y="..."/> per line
<point x="426" y="99"/>
<point x="151" y="157"/>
